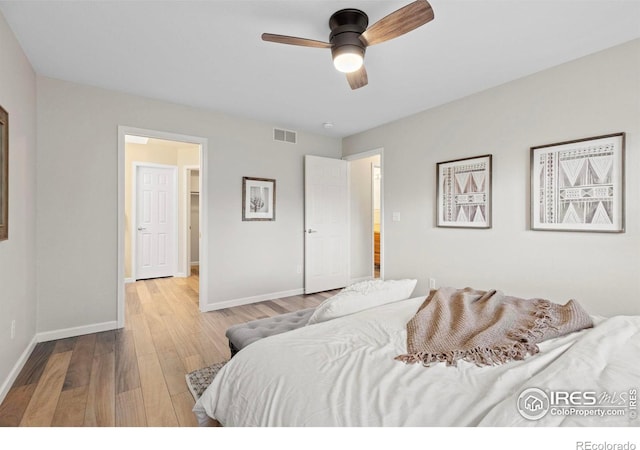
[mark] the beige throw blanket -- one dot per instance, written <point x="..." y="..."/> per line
<point x="485" y="327"/>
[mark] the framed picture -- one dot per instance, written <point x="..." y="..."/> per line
<point x="464" y="193"/>
<point x="4" y="174"/>
<point x="579" y="185"/>
<point x="258" y="199"/>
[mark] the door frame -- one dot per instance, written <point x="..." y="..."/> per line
<point x="203" y="142"/>
<point x="187" y="214"/>
<point x="134" y="214"/>
<point x="373" y="222"/>
<point x="354" y="157"/>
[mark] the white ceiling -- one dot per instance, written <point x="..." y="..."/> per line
<point x="209" y="54"/>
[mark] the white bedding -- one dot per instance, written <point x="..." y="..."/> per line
<point x="343" y="373"/>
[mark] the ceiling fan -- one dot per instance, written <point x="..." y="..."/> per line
<point x="350" y="36"/>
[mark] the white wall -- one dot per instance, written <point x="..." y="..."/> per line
<point x="77" y="228"/>
<point x="591" y="96"/>
<point x="361" y="220"/>
<point x="18" y="253"/>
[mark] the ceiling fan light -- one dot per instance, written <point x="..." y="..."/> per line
<point x="348" y="62"/>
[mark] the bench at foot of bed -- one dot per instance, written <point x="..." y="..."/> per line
<point x="243" y="334"/>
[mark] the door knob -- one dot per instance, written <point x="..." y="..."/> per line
<point x="141" y="228"/>
<point x="311" y="231"/>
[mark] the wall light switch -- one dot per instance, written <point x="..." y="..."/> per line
<point x="396" y="217"/>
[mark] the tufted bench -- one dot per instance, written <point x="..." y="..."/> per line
<point x="244" y="334"/>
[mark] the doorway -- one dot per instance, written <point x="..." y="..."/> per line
<point x="154" y="219"/>
<point x="366" y="213"/>
<point x="376" y="181"/>
<point x="171" y="248"/>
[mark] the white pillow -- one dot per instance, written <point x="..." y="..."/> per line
<point x="361" y="296"/>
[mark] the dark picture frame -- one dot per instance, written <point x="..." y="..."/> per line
<point x="258" y="199"/>
<point x="464" y="192"/>
<point x="4" y="174"/>
<point x="578" y="185"/>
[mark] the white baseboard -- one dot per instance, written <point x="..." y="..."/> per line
<point x="76" y="331"/>
<point x="195" y="263"/>
<point x="6" y="386"/>
<point x="248" y="300"/>
<point x="129" y="280"/>
<point x="181" y="275"/>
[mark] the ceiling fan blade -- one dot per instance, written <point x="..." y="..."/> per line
<point x="280" y="39"/>
<point x="398" y="23"/>
<point x="358" y="78"/>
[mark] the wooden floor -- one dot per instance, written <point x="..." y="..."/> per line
<point x="135" y="376"/>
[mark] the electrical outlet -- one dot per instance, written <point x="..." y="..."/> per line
<point x="13" y="329"/>
<point x="299" y="269"/>
<point x="432" y="283"/>
<point x="395" y="217"/>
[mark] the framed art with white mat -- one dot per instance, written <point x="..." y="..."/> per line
<point x="463" y="193"/>
<point x="579" y="185"/>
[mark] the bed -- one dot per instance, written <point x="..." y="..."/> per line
<point x="342" y="373"/>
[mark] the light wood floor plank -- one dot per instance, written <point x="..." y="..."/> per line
<point x="205" y="346"/>
<point x="142" y="336"/>
<point x="105" y="342"/>
<point x="218" y="341"/>
<point x="130" y="409"/>
<point x="33" y="368"/>
<point x="153" y="315"/>
<point x="180" y="295"/>
<point x="152" y="287"/>
<point x="157" y="401"/>
<point x="194" y="362"/>
<point x="143" y="293"/>
<point x="42" y="406"/>
<point x="183" y="405"/>
<point x="79" y="372"/>
<point x="181" y="339"/>
<point x="159" y="305"/>
<point x="173" y="370"/>
<point x="264" y="309"/>
<point x="132" y="299"/>
<point x="65" y="345"/>
<point x="126" y="370"/>
<point x="14" y="405"/>
<point x="71" y="407"/>
<point x="100" y="410"/>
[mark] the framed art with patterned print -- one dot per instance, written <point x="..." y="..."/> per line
<point x="579" y="185"/>
<point x="464" y="193"/>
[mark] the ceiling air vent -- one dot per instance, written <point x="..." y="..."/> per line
<point x="284" y="135"/>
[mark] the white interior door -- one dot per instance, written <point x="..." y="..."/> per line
<point x="326" y="224"/>
<point x="156" y="222"/>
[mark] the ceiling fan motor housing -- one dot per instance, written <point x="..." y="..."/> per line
<point x="346" y="27"/>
